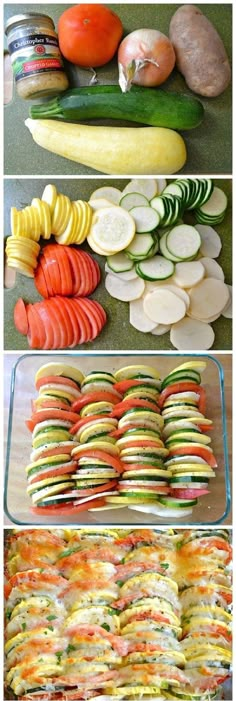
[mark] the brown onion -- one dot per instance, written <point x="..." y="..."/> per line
<point x="145" y="57"/>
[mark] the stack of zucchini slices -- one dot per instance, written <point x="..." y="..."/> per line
<point x="97" y="455"/>
<point x="190" y="458"/>
<point x="139" y="440"/>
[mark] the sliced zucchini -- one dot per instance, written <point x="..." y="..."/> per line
<point x="157" y="268"/>
<point x="141" y="246"/>
<point x="119" y="263"/>
<point x="177" y="503"/>
<point x="127" y="275"/>
<point x="216" y="205"/>
<point x="173" y="189"/>
<point x="158" y="204"/>
<point x="164" y="250"/>
<point x="146" y="219"/>
<point x="133" y="199"/>
<point x="183" y="241"/>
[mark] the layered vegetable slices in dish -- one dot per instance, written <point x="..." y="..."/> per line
<point x="128" y="439"/>
<point x="117" y="614"/>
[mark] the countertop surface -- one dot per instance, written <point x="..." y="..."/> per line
<point x="208" y="146"/>
<point x="118" y="334"/>
<point x="20" y="442"/>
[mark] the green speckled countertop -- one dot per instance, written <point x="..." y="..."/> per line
<point x="208" y="146"/>
<point x="118" y="334"/>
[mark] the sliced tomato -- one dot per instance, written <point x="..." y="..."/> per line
<point x="122" y="407"/>
<point x="50" y="268"/>
<point x="46" y="320"/>
<point x="185" y="387"/>
<point x="119" y="432"/>
<point x="85" y="420"/>
<point x="69" y="313"/>
<point x="141" y="466"/>
<point x="48" y="404"/>
<point x="94" y="269"/>
<point x="67" y="509"/>
<point x="73" y="312"/>
<point x="56" y="379"/>
<point x="76" y="273"/>
<point x="64" y="321"/>
<point x="101" y="455"/>
<point x="95" y="490"/>
<point x="92" y="316"/>
<point x="40" y="280"/>
<point x="101" y="311"/>
<point x="60" y="253"/>
<point x="20" y="317"/>
<point x="188" y="493"/>
<point x="45" y="414"/>
<point x="83" y="320"/>
<point x="204" y="428"/>
<point x="46" y="474"/>
<point x="202" y="452"/>
<point x="47" y="277"/>
<point x="127" y="384"/>
<point x="100" y="396"/>
<point x="36" y="331"/>
<point x="86" y="274"/>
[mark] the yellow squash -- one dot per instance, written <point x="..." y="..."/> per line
<point x="113" y="150"/>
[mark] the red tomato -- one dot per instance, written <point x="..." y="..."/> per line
<point x="188" y="493"/>
<point x="89" y="34"/>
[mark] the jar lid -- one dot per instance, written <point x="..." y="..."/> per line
<point x="23" y="19"/>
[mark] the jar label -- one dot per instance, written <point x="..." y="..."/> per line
<point x="33" y="54"/>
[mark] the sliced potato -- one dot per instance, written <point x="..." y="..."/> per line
<point x="100" y="203"/>
<point x="228" y="311"/>
<point x="188" y="274"/>
<point x="210" y="241"/>
<point x="160" y="329"/>
<point x="164" y="307"/>
<point x="145" y="186"/>
<point x="212" y="268"/>
<point x="138" y="319"/>
<point x="124" y="291"/>
<point x="112" y="194"/>
<point x="208" y="298"/>
<point x="191" y="334"/>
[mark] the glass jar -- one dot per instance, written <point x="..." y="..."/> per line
<point x="35" y="55"/>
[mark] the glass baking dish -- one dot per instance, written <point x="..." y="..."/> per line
<point x="211" y="509"/>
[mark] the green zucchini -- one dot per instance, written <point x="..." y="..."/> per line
<point x="144" y="105"/>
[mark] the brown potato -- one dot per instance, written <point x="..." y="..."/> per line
<point x="200" y="52"/>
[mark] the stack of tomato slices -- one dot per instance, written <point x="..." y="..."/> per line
<point x="190" y="460"/>
<point x="66" y="271"/>
<point x="99" y="466"/>
<point x="66" y="318"/>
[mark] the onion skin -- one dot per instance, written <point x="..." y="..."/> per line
<point x="145" y="57"/>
